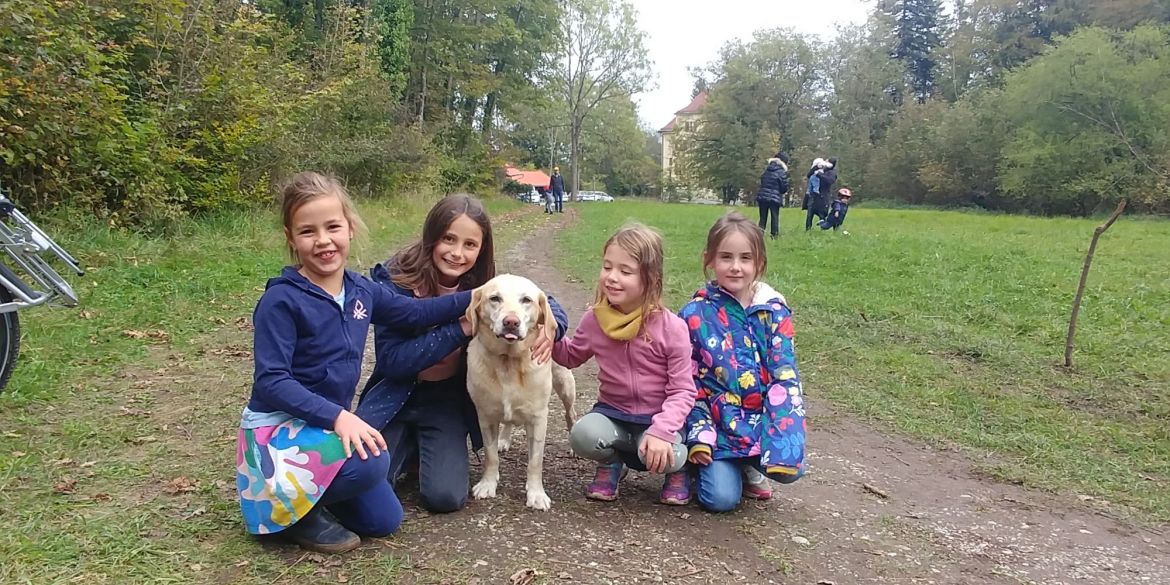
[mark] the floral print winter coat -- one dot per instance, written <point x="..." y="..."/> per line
<point x="749" y="401"/>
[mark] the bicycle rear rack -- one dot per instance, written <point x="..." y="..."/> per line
<point x="26" y="246"/>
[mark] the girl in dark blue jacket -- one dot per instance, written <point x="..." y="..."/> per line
<point x="295" y="467"/>
<point x="418" y="391"/>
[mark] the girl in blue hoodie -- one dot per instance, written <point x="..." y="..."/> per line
<point x="418" y="391"/>
<point x="295" y="467"/>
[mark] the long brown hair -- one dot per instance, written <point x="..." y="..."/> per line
<point x="645" y="246"/>
<point x="734" y="222"/>
<point x="412" y="268"/>
<point x="307" y="186"/>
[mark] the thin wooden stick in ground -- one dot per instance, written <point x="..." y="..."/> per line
<point x="1076" y="308"/>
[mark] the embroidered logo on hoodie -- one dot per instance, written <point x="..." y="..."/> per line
<point x="359" y="310"/>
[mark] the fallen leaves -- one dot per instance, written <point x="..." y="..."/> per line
<point x="179" y="485"/>
<point x="153" y="335"/>
<point x="523" y="577"/>
<point x="67" y="485"/>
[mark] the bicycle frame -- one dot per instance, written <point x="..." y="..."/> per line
<point x="27" y="247"/>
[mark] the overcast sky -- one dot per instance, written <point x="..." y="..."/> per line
<point x="684" y="33"/>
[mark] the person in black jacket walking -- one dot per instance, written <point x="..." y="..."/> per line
<point x="773" y="186"/>
<point x="556" y="187"/>
<point x="818" y="203"/>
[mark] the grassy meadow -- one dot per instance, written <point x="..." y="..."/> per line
<point x="950" y="327"/>
<point x="120" y="419"/>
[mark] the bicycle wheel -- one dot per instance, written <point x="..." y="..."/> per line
<point x="9" y="340"/>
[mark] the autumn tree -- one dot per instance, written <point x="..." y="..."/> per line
<point x="602" y="59"/>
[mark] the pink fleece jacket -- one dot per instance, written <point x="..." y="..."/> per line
<point x="639" y="377"/>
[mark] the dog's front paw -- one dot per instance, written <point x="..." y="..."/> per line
<point x="538" y="500"/>
<point x="484" y="489"/>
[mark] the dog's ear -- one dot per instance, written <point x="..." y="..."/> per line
<point x="547" y="319"/>
<point x="472" y="313"/>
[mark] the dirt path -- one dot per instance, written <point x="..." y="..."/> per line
<point x="927" y="519"/>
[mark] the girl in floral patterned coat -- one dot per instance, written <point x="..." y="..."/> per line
<point x="748" y="421"/>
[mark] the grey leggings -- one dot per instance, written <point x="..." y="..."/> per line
<point x="605" y="440"/>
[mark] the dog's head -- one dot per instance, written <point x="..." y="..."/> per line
<point x="510" y="308"/>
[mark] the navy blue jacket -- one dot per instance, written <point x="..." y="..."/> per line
<point x="403" y="353"/>
<point x="836" y="215"/>
<point x="308" y="350"/>
<point x="556" y="184"/>
<point x="773" y="182"/>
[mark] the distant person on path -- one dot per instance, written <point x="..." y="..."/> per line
<point x="747" y="424"/>
<point x="773" y="186"/>
<point x="821" y="177"/>
<point x="644" y="371"/>
<point x="837" y="213"/>
<point x="296" y="469"/>
<point x="556" y="187"/>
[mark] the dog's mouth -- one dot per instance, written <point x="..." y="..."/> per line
<point x="509" y="336"/>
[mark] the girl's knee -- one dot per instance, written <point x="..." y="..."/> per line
<point x="718" y="501"/>
<point x="444" y="501"/>
<point x="367" y="472"/>
<point x="591" y="436"/>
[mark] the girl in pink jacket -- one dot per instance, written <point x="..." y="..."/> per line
<point x="644" y="366"/>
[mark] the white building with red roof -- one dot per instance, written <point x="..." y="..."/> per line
<point x="684" y="120"/>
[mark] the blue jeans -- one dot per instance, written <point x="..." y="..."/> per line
<point x="721" y="483"/>
<point x="361" y="498"/>
<point x="431" y="428"/>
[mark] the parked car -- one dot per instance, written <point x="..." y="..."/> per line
<point x="594" y="196"/>
<point x="531" y="197"/>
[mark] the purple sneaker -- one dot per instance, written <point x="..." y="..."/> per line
<point x="676" y="489"/>
<point x="604" y="486"/>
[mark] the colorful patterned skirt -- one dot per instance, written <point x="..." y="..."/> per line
<point x="282" y="471"/>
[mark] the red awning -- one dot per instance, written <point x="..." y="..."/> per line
<point x="534" y="178"/>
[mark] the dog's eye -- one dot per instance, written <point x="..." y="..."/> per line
<point x="526" y="300"/>
<point x="495" y="298"/>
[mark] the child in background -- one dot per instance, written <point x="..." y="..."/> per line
<point x="294" y="466"/>
<point x="837" y="212"/>
<point x="417" y="393"/>
<point x="748" y="418"/>
<point x="644" y="371"/>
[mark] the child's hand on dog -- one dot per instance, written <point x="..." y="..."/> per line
<point x="542" y="349"/>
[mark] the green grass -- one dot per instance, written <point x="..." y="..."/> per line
<point x="115" y="459"/>
<point x="950" y="326"/>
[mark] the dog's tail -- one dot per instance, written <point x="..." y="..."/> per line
<point x="565" y="385"/>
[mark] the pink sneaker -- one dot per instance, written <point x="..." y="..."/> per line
<point x="755" y="484"/>
<point x="676" y="489"/>
<point x="604" y="486"/>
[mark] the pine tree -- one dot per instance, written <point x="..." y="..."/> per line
<point x="917" y="29"/>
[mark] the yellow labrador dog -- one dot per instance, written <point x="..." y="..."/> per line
<point x="508" y="388"/>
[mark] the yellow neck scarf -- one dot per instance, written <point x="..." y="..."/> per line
<point x="617" y="325"/>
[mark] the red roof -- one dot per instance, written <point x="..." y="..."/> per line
<point x="696" y="104"/>
<point x="694" y="107"/>
<point x="534" y="178"/>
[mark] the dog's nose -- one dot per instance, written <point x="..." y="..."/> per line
<point x="511" y="322"/>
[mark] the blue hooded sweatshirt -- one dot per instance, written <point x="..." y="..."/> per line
<point x="404" y="352"/>
<point x="308" y="349"/>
